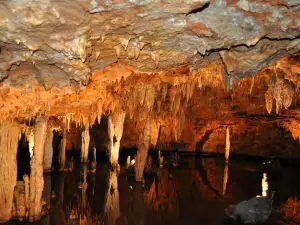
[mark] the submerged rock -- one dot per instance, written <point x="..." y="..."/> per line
<point x="253" y="211"/>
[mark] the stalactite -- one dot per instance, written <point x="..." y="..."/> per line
<point x="112" y="205"/>
<point x="143" y="147"/>
<point x="30" y="138"/>
<point x="48" y="151"/>
<point x="9" y="137"/>
<point x="227" y="145"/>
<point x="179" y="124"/>
<point x="85" y="142"/>
<point x="115" y="132"/>
<point x="269" y="101"/>
<point x="280" y="89"/>
<point x="62" y="149"/>
<point x="36" y="171"/>
<point x="251" y="85"/>
<point x="155" y="125"/>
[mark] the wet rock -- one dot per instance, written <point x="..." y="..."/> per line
<point x="253" y="211"/>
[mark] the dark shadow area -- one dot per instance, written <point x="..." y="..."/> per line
<point x="23" y="158"/>
<point x="200" y="9"/>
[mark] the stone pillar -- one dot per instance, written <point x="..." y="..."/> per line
<point x="141" y="156"/>
<point x="115" y="132"/>
<point x="85" y="142"/>
<point x="36" y="171"/>
<point x="62" y="150"/>
<point x="9" y="137"/>
<point x="48" y="152"/>
<point x="112" y="205"/>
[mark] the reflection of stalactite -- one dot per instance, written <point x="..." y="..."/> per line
<point x="48" y="152"/>
<point x="112" y="206"/>
<point x="85" y="142"/>
<point x="227" y="144"/>
<point x="47" y="197"/>
<point x="62" y="150"/>
<point x="143" y="147"/>
<point x="36" y="171"/>
<point x="115" y="132"/>
<point x="225" y="179"/>
<point x="93" y="163"/>
<point x="84" y="185"/>
<point x="9" y="136"/>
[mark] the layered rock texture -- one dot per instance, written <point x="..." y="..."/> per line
<point x="192" y="68"/>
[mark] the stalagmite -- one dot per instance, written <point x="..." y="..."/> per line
<point x="227" y="145"/>
<point x="9" y="137"/>
<point x="26" y="190"/>
<point x="85" y="142"/>
<point x="62" y="150"/>
<point x="36" y="171"/>
<point x="265" y="185"/>
<point x="143" y="147"/>
<point x="115" y="132"/>
<point x="48" y="151"/>
<point x="112" y="205"/>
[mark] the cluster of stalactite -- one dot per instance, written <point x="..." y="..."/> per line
<point x="279" y="89"/>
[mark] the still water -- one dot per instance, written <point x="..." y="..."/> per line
<point x="195" y="192"/>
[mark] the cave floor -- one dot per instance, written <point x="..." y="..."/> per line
<point x="188" y="194"/>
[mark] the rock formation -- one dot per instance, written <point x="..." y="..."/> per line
<point x="36" y="171"/>
<point x="48" y="150"/>
<point x="9" y="137"/>
<point x="192" y="68"/>
<point x="115" y="132"/>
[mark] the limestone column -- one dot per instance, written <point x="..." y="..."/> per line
<point x="115" y="132"/>
<point x="141" y="156"/>
<point x="62" y="150"/>
<point x="85" y="142"/>
<point x="36" y="171"/>
<point x="48" y="151"/>
<point x="9" y="137"/>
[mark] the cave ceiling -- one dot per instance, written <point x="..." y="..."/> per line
<point x="82" y="58"/>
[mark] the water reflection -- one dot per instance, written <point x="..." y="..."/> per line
<point x="186" y="194"/>
<point x="112" y="207"/>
